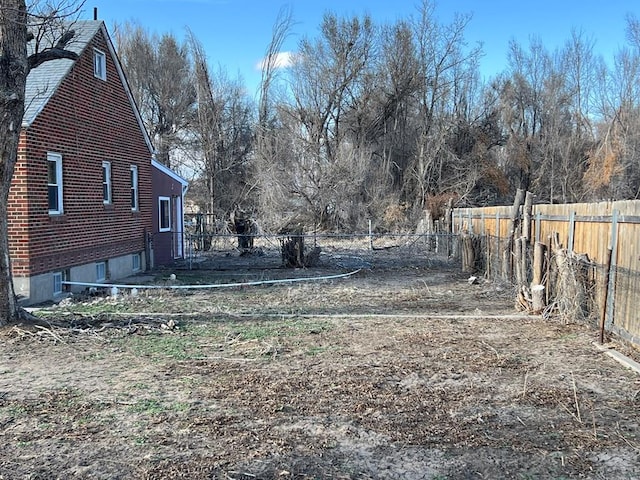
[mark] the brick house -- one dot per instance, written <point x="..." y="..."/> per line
<point x="81" y="204"/>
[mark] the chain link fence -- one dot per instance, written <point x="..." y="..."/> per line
<point x="334" y="251"/>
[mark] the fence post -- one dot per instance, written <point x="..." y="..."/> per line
<point x="370" y="236"/>
<point x="572" y="227"/>
<point x="603" y="315"/>
<point x="611" y="287"/>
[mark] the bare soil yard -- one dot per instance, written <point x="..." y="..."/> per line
<point x="400" y="371"/>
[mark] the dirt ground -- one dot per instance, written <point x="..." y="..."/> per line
<point x="403" y="370"/>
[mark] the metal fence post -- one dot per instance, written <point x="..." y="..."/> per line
<point x="572" y="228"/>
<point x="611" y="287"/>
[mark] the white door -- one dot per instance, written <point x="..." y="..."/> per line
<point x="177" y="229"/>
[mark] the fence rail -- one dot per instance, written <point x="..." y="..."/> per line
<point x="590" y="229"/>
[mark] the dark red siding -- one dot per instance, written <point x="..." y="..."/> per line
<point x="165" y="243"/>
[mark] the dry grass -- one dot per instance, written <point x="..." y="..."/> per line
<point x="400" y="372"/>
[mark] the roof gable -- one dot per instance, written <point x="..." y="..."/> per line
<point x="167" y="171"/>
<point x="44" y="80"/>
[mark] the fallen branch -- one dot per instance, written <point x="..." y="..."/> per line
<point x="494" y="350"/>
<point x="49" y="331"/>
<point x="575" y="397"/>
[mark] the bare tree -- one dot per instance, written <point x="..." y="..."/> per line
<point x="271" y="145"/>
<point x="614" y="170"/>
<point x="326" y="79"/>
<point x="18" y="25"/>
<point x="159" y="72"/>
<point x="270" y="66"/>
<point x="369" y="123"/>
<point x="222" y="133"/>
<point x="448" y="70"/>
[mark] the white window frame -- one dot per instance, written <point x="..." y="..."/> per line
<point x="57" y="283"/>
<point x="136" y="262"/>
<point x="101" y="271"/>
<point x="162" y="200"/>
<point x="107" y="197"/>
<point x="134" y="188"/>
<point x="99" y="64"/>
<point x="57" y="158"/>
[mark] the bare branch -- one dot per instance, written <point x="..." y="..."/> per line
<point x="50" y="54"/>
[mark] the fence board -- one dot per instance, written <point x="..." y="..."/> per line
<point x="591" y="233"/>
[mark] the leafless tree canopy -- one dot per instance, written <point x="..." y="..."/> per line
<point x="222" y="136"/>
<point x="160" y="73"/>
<point x="383" y="122"/>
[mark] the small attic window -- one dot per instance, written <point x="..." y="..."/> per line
<point x="99" y="64"/>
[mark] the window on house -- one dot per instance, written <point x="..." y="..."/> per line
<point x="54" y="162"/>
<point x="106" y="182"/>
<point x="165" y="214"/>
<point x="134" y="188"/>
<point x="57" y="283"/>
<point x="136" y="261"/>
<point x="59" y="287"/>
<point x="101" y="271"/>
<point x="100" y="64"/>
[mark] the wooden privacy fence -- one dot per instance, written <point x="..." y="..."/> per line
<point x="600" y="239"/>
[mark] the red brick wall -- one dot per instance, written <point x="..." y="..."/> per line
<point x="87" y="121"/>
<point x="17" y="211"/>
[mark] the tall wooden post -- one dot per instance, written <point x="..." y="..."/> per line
<point x="514" y="222"/>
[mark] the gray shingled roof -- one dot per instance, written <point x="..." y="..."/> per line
<point x="43" y="80"/>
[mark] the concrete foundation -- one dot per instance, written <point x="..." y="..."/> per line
<point x="40" y="288"/>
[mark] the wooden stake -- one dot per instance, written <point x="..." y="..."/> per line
<point x="539" y="252"/>
<point x="468" y="254"/>
<point x="547" y="278"/>
<point x="514" y="222"/>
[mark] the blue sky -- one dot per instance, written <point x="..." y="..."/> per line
<point x="235" y="33"/>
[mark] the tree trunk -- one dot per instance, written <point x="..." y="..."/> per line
<point x="468" y="254"/>
<point x="538" y="291"/>
<point x="8" y="304"/>
<point x="539" y="264"/>
<point x="514" y="221"/>
<point x="538" y="303"/>
<point x="448" y="222"/>
<point x="13" y="75"/>
<point x="526" y="216"/>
